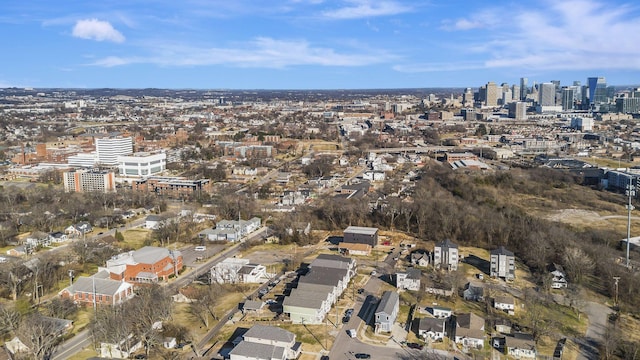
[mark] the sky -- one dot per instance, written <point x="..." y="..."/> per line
<point x="315" y="44"/>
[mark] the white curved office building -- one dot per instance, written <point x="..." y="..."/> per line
<point x="142" y="164"/>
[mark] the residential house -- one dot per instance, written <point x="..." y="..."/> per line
<point x="445" y="255"/>
<point x="79" y="229"/>
<point x="440" y="312"/>
<point x="503" y="264"/>
<point x="153" y="221"/>
<point x="266" y="342"/>
<point x="252" y="306"/>
<point x="58" y="237"/>
<point x="237" y="271"/>
<point x="431" y="328"/>
<point x="354" y="249"/>
<point x="149" y="264"/>
<point x="409" y="280"/>
<point x="123" y="349"/>
<point x="318" y="289"/>
<point x="169" y="342"/>
<point x="98" y="289"/>
<point x="37" y="238"/>
<point x="18" y="251"/>
<point x="420" y="258"/>
<point x="473" y="291"/>
<point x="468" y="330"/>
<point x="521" y="346"/>
<point x="505" y="303"/>
<point x="502" y="325"/>
<point x="558" y="276"/>
<point x="387" y="311"/>
<point x="231" y="230"/>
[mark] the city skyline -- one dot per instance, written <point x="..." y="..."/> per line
<point x="315" y="44"/>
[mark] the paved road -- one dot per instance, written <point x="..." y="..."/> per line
<point x="83" y="338"/>
<point x="73" y="345"/>
<point x="598" y="320"/>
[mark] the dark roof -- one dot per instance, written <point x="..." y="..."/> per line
<point x="501" y="251"/>
<point x="447" y="244"/>
<point x="431" y="324"/>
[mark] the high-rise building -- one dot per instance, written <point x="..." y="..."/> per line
<point x="597" y="91"/>
<point x="89" y="181"/>
<point x="515" y="92"/>
<point x="492" y="94"/>
<point x="547" y="94"/>
<point x="523" y="89"/>
<point x="518" y="110"/>
<point x="108" y="149"/>
<point x="467" y="97"/>
<point x="568" y="97"/>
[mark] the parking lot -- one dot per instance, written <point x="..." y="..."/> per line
<point x="191" y="257"/>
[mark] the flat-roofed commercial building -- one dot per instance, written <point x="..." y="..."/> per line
<point x="142" y="164"/>
<point x="89" y="181"/>
<point x="361" y="235"/>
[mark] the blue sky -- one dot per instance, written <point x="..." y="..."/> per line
<point x="315" y="44"/>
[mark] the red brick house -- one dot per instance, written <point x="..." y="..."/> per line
<point x="99" y="286"/>
<point x="147" y="265"/>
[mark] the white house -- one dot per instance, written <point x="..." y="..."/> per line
<point x="440" y="311"/>
<point x="505" y="303"/>
<point x="469" y="331"/>
<point x="235" y="271"/>
<point x="521" y="346"/>
<point x="409" y="280"/>
<point x="432" y="328"/>
<point x="122" y="350"/>
<point x="558" y="277"/>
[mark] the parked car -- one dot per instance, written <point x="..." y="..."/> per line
<point x="362" y="356"/>
<point x="201" y="248"/>
<point x="414" y="346"/>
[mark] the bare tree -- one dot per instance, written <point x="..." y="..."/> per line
<point x="39" y="334"/>
<point x="9" y="319"/>
<point x="578" y="264"/>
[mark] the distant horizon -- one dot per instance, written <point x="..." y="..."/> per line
<point x="315" y="44"/>
<point x="29" y="88"/>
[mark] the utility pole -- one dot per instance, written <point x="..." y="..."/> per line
<point x="615" y="299"/>
<point x="631" y="192"/>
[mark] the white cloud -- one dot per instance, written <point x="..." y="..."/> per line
<point x="262" y="52"/>
<point x="98" y="30"/>
<point x="366" y="8"/>
<point x="566" y="35"/>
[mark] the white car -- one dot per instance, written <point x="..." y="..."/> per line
<point x="201" y="248"/>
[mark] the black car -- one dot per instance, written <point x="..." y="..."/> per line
<point x="362" y="356"/>
<point x="414" y="346"/>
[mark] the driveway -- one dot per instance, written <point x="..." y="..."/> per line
<point x="598" y="319"/>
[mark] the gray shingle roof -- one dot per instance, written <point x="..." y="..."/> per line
<point x="270" y="333"/>
<point x="102" y="286"/>
<point x="258" y="351"/>
<point x="501" y="251"/>
<point x="387" y="302"/>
